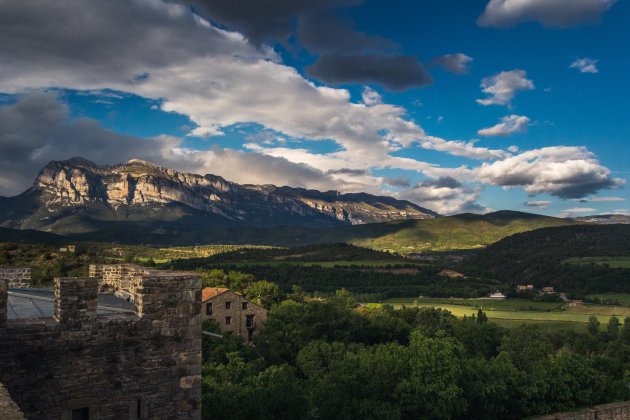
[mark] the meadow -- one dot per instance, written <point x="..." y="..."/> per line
<point x="612" y="262"/>
<point x="514" y="312"/>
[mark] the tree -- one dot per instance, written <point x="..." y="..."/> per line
<point x="264" y="293"/>
<point x="613" y="326"/>
<point x="526" y="346"/>
<point x="593" y="325"/>
<point x="482" y="318"/>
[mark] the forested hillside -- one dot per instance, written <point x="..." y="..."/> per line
<point x="542" y="257"/>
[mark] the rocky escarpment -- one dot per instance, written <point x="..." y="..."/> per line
<point x="77" y="184"/>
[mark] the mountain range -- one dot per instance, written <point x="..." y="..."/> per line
<point x="78" y="196"/>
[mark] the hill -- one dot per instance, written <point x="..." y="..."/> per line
<point x="464" y="231"/>
<point x="29" y="236"/>
<point x="76" y="196"/>
<point x="548" y="257"/>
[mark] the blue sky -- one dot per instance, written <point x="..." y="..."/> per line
<point x="377" y="96"/>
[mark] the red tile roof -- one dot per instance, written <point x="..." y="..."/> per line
<point x="210" y="292"/>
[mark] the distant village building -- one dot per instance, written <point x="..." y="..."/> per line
<point x="497" y="295"/>
<point x="232" y="311"/>
<point x="576" y="303"/>
<point x="548" y="290"/>
<point x="69" y="249"/>
<point x="524" y="288"/>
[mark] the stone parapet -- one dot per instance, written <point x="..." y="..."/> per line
<point x="16" y="277"/>
<point x="144" y="365"/>
<point x="614" y="411"/>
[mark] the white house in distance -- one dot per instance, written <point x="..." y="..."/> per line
<point x="498" y="296"/>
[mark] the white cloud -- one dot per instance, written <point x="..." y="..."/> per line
<point x="566" y="172"/>
<point x="509" y="125"/>
<point x="601" y="199"/>
<point x="585" y="65"/>
<point x="458" y="63"/>
<point x="576" y="211"/>
<point x="550" y="13"/>
<point x="371" y="97"/>
<point x="502" y="87"/>
<point x="206" y="132"/>
<point x="446" y="196"/>
<point x="542" y="204"/>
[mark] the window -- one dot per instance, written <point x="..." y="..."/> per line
<point x="81" y="413"/>
<point x="249" y="321"/>
<point x="228" y="320"/>
<point x="209" y="309"/>
<point x="228" y="305"/>
<point x="244" y="306"/>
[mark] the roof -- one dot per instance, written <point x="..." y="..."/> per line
<point x="210" y="292"/>
<point x="40" y="303"/>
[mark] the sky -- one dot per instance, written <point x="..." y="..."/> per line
<point x="458" y="106"/>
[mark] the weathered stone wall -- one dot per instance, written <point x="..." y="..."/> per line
<point x="117" y="366"/>
<point x="119" y="279"/>
<point x="17" y="278"/>
<point x="614" y="411"/>
<point x="236" y="312"/>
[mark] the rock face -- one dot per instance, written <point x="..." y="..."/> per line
<point x="76" y="184"/>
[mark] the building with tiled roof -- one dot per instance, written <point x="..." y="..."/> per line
<point x="234" y="313"/>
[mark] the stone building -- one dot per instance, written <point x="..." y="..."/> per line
<point x="73" y="353"/>
<point x="232" y="311"/>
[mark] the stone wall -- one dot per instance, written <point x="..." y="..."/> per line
<point x="614" y="411"/>
<point x="17" y="278"/>
<point x="119" y="279"/>
<point x="236" y="312"/>
<point x="145" y="364"/>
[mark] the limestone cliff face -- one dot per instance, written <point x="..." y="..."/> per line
<point x="78" y="182"/>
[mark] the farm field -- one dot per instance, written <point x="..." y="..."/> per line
<point x="612" y="262"/>
<point x="514" y="312"/>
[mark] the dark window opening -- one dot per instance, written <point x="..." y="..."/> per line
<point x="81" y="413"/>
<point x="249" y="321"/>
<point x="228" y="305"/>
<point x="244" y="306"/>
<point x="228" y="320"/>
<point x="209" y="309"/>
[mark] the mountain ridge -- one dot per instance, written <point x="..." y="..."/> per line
<point x="80" y="189"/>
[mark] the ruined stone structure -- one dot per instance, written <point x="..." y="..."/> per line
<point x="232" y="311"/>
<point x="119" y="279"/>
<point x="614" y="411"/>
<point x="81" y="362"/>
<point x="16" y="278"/>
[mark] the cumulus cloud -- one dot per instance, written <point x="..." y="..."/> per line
<point x="549" y="13"/>
<point x="446" y="196"/>
<point x="458" y="63"/>
<point x="585" y="65"/>
<point x="565" y="172"/>
<point x="396" y="73"/>
<point x="38" y="128"/>
<point x="542" y="204"/>
<point x="509" y="125"/>
<point x="502" y="87"/>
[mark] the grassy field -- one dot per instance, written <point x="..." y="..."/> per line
<point x="514" y="312"/>
<point x="612" y="262"/>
